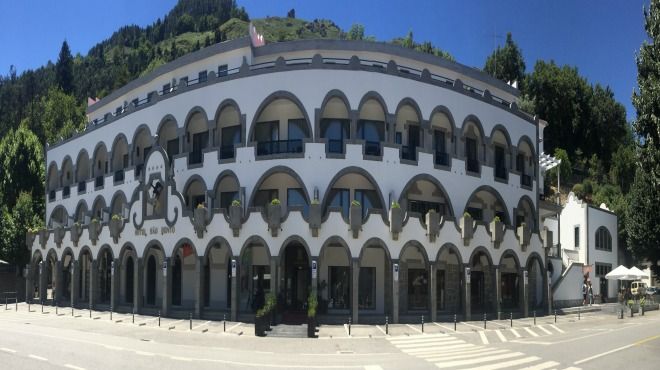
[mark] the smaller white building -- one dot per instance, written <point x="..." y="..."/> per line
<point x="588" y="241"/>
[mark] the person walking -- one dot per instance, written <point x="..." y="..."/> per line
<point x="584" y="293"/>
<point x="590" y="293"/>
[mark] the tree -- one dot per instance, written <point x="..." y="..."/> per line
<point x="21" y="166"/>
<point x="408" y="41"/>
<point x="13" y="226"/>
<point x="506" y="63"/>
<point x="356" y="32"/>
<point x="643" y="218"/>
<point x="60" y="117"/>
<point x="291" y="13"/>
<point x="64" y="69"/>
<point x="186" y="23"/>
<point x="647" y="99"/>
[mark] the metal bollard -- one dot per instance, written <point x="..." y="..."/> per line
<point x="224" y="322"/>
<point x="499" y="315"/>
<point x="579" y="309"/>
<point x="159" y="318"/>
<point x="387" y="325"/>
<point x="42" y="306"/>
<point x="511" y="318"/>
<point x="555" y="316"/>
<point x="534" y="317"/>
<point x="90" y="310"/>
<point x="484" y="321"/>
<point x="454" y="322"/>
<point x="191" y="321"/>
<point x="349" y="326"/>
<point x="56" y="307"/>
<point x="133" y="315"/>
<point x="422" y="324"/>
<point x="71" y="310"/>
<point x="16" y="306"/>
<point x="29" y="309"/>
<point x="631" y="312"/>
<point x="641" y="307"/>
<point x="6" y="304"/>
<point x="110" y="313"/>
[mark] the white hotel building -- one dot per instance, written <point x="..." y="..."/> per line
<point x="164" y="203"/>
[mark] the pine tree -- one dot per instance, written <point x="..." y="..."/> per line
<point x="507" y="63"/>
<point x="64" y="69"/>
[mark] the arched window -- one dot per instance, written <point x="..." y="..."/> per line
<point x="603" y="239"/>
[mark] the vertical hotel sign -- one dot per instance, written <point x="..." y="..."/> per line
<point x="255" y="37"/>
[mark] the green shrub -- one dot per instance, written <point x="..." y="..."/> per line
<point x="275" y="202"/>
<point x="236" y="203"/>
<point x="497" y="219"/>
<point x="355" y="203"/>
<point x="116" y="217"/>
<point x="315" y="201"/>
<point x="395" y="204"/>
<point x="312" y="305"/>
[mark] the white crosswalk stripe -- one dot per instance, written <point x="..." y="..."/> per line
<point x="448" y="352"/>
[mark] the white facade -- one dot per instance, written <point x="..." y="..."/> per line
<point x="315" y="125"/>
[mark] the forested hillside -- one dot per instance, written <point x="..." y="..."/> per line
<point x="588" y="128"/>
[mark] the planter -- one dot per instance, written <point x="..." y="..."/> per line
<point x="467" y="228"/>
<point x="355" y="219"/>
<point x="115" y="229"/>
<point x="432" y="225"/>
<point x="315" y="218"/>
<point x="396" y="222"/>
<point x="311" y="327"/>
<point x="200" y="220"/>
<point x="259" y="327"/>
<point x="524" y="234"/>
<point x="94" y="230"/>
<point x="235" y="218"/>
<point x="496" y="232"/>
<point x="58" y="235"/>
<point x="76" y="231"/>
<point x="274" y="218"/>
<point x="29" y="239"/>
<point x="43" y="237"/>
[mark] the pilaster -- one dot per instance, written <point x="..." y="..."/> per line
<point x="355" y="282"/>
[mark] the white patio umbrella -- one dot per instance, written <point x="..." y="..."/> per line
<point x="637" y="273"/>
<point x="620" y="273"/>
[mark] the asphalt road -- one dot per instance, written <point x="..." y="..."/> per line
<point x="32" y="340"/>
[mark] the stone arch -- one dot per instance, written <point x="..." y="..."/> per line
<point x="61" y="214"/>
<point x="67" y="165"/>
<point x="280" y="94"/>
<point x="449" y="247"/>
<point x="500" y="128"/>
<point x="372" y="242"/>
<point x="538" y="283"/>
<point x="531" y="219"/>
<point x="230" y="103"/>
<point x="480" y="249"/>
<point x="193" y="111"/>
<point x="433" y="180"/>
<point x="498" y="198"/>
<point x="98" y="206"/>
<point x="105" y="247"/>
<point x="83" y="166"/>
<point x="191" y="191"/>
<point x="336" y="240"/>
<point x="120" y="150"/>
<point x="441" y="109"/>
<point x="118" y="208"/>
<point x="254" y="239"/>
<point x="335" y="94"/>
<point x="99" y="160"/>
<point x="164" y="121"/>
<point x="477" y="122"/>
<point x="373" y="95"/>
<point x="414" y="243"/>
<point x="408" y="101"/>
<point x="525" y="139"/>
<point x="295" y="239"/>
<point x="274" y="170"/>
<point x="153" y="244"/>
<point x="53" y="176"/>
<point x="85" y="250"/>
<point x="217" y="240"/>
<point x="358" y="171"/>
<point x="217" y="189"/>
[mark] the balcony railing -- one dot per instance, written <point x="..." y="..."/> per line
<point x="335" y="146"/>
<point x="119" y="176"/>
<point x="441" y="159"/>
<point x="473" y="165"/>
<point x="98" y="182"/>
<point x="82" y="186"/>
<point x="500" y="172"/>
<point x="279" y="147"/>
<point x="227" y="152"/>
<point x="409" y="153"/>
<point x="372" y="148"/>
<point x="51" y="195"/>
<point x="66" y="191"/>
<point x="526" y="180"/>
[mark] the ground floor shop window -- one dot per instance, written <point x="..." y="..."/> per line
<point x="367" y="288"/>
<point x="509" y="290"/>
<point x="339" y="277"/>
<point x="418" y="289"/>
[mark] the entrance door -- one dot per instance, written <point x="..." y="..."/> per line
<point x="129" y="280"/>
<point x="297" y="278"/>
<point x="477" y="291"/>
<point x="603" y="290"/>
<point x="151" y="281"/>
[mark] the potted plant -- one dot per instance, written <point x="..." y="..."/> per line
<point x="355" y="217"/>
<point x="524" y="234"/>
<point x="200" y="219"/>
<point x="259" y="327"/>
<point x="467" y="228"/>
<point x="274" y="216"/>
<point x="30" y="235"/>
<point x="396" y="219"/>
<point x="43" y="236"/>
<point x="271" y="303"/>
<point x="58" y="235"/>
<point x="315" y="217"/>
<point x="76" y="231"/>
<point x="432" y="224"/>
<point x="312" y="305"/>
<point x="496" y="231"/>
<point x="116" y="223"/>
<point x="235" y="216"/>
<point x="94" y="229"/>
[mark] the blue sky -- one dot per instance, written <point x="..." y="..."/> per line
<point x="599" y="37"/>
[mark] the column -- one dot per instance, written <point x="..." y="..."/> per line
<point x="274" y="263"/>
<point x="395" y="291"/>
<point x="42" y="282"/>
<point x="433" y="286"/>
<point x="525" y="293"/>
<point x="315" y="275"/>
<point x="355" y="277"/>
<point x="137" y="285"/>
<point x="75" y="270"/>
<point x="234" y="287"/>
<point x="548" y="292"/>
<point x="114" y="284"/>
<point x="498" y="289"/>
<point x="353" y="125"/>
<point x="199" y="286"/>
<point x="29" y="289"/>
<point x="93" y="277"/>
<point x="167" y="283"/>
<point x="467" y="292"/>
<point x="59" y="278"/>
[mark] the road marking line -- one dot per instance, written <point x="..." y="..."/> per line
<point x="572" y="368"/>
<point x="516" y="362"/>
<point x="428" y="344"/>
<point x="144" y="353"/>
<point x="531" y="332"/>
<point x="235" y="326"/>
<point x="422" y="349"/>
<point x="647" y="340"/>
<point x="425" y="340"/>
<point x="180" y="358"/>
<point x="74" y="367"/>
<point x="545" y="330"/>
<point x="200" y="325"/>
<point x="37" y="357"/>
<point x="474" y="326"/>
<point x="542" y="366"/>
<point x="113" y="347"/>
<point x="469" y="355"/>
<point x="500" y="335"/>
<point x="444" y="327"/>
<point x="444" y="365"/>
<point x="414" y="328"/>
<point x="603" y="354"/>
<point x="7" y="350"/>
<point x="483" y="337"/>
<point x="556" y="328"/>
<point x="445" y="350"/>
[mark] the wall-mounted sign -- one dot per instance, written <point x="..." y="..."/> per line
<point x="112" y="267"/>
<point x="314" y="270"/>
<point x="164" y="267"/>
<point x="233" y="268"/>
<point x="526" y="278"/>
<point x="468" y="274"/>
<point x="396" y="272"/>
